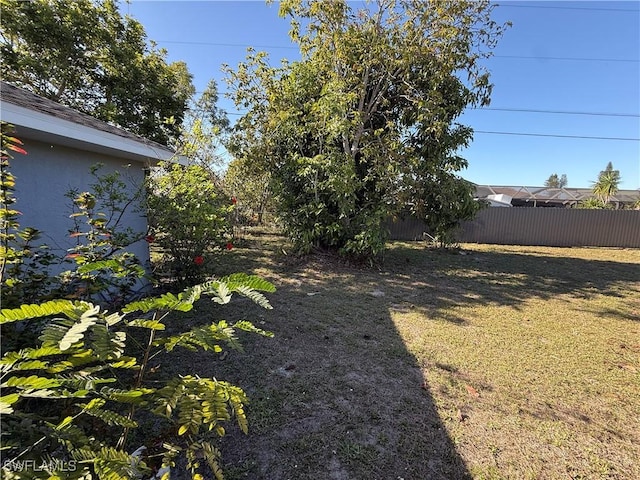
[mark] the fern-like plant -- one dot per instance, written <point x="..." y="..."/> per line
<point x="69" y="401"/>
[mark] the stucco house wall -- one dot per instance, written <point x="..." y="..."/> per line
<point x="48" y="172"/>
<point x="62" y="145"/>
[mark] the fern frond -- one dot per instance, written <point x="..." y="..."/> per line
<point x="83" y="382"/>
<point x="41" y="352"/>
<point x="112" y="464"/>
<point x="113" y="319"/>
<point x="249" y="286"/>
<point x="212" y="456"/>
<point x="207" y="337"/>
<point x="83" y="357"/>
<point x="47" y="309"/>
<point x="55" y="331"/>
<point x="107" y="416"/>
<point x="116" y="268"/>
<point x="6" y="401"/>
<point x="125" y="362"/>
<point x="254" y="296"/>
<point x="84" y="454"/>
<point x="32" y="382"/>
<point x="8" y="365"/>
<point x="76" y="332"/>
<point x="237" y="399"/>
<point x="107" y="344"/>
<point x="144" y="323"/>
<point x="168" y="301"/>
<point x="135" y="395"/>
<point x="253" y="282"/>
<point x="249" y="327"/>
<point x="201" y="403"/>
<point x="220" y="292"/>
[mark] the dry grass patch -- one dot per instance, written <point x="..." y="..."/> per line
<point x="504" y="362"/>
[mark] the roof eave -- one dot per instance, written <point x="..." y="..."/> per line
<point x="35" y="125"/>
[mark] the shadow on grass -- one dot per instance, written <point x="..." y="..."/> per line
<point x="437" y="282"/>
<point x="336" y="394"/>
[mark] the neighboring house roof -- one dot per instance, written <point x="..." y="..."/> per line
<point x="42" y="119"/>
<point x="555" y="196"/>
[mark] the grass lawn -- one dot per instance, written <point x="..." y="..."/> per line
<point x="500" y="362"/>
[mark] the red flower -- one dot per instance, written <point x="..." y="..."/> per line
<point x="234" y="200"/>
<point x="229" y="245"/>
<point x="150" y="238"/>
<point x="199" y="260"/>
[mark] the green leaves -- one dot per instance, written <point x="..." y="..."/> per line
<point x="28" y="312"/>
<point x="76" y="332"/>
<point x="202" y="403"/>
<point x="220" y="291"/>
<point x="88" y="56"/>
<point x="189" y="216"/>
<point x="6" y="401"/>
<point x="209" y="337"/>
<point x="249" y="286"/>
<point x="183" y="302"/>
<point x="367" y="115"/>
<point x="75" y="363"/>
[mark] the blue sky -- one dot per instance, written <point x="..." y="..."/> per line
<point x="579" y="57"/>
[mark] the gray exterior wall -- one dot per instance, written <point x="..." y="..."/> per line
<point x="47" y="172"/>
<point x="553" y="227"/>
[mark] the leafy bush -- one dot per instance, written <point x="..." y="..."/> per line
<point x="104" y="271"/>
<point x="69" y="401"/>
<point x="189" y="219"/>
<point x="593" y="203"/>
<point x="74" y="374"/>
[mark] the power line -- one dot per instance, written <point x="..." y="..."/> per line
<point x="573" y="59"/>
<point x="535" y="134"/>
<point x="557" y="136"/>
<point x="570" y="8"/>
<point x="562" y="112"/>
<point x="180" y="42"/>
<point x="525" y="57"/>
<point x="531" y="110"/>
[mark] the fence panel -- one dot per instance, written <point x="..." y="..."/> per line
<point x="553" y="227"/>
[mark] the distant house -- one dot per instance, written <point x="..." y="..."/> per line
<point x="548" y="197"/>
<point x="62" y="144"/>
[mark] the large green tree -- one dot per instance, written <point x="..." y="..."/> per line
<point x="86" y="55"/>
<point x="367" y="118"/>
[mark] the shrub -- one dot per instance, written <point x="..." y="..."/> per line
<point x="69" y="401"/>
<point x="105" y="271"/>
<point x="189" y="219"/>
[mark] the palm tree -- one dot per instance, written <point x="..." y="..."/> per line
<point x="607" y="184"/>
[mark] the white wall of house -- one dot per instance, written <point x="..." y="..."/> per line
<point x="47" y="172"/>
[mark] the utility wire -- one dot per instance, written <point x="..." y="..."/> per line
<point x="557" y="136"/>
<point x="530" y="110"/>
<point x="561" y="112"/>
<point x="181" y="42"/>
<point x="500" y="5"/>
<point x="214" y="44"/>
<point x="534" y="134"/>
<point x="573" y="59"/>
